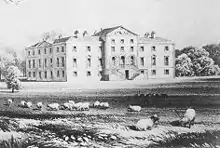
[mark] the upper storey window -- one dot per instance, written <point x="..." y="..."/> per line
<point x="142" y="48"/>
<point x="29" y="53"/>
<point x="58" y="49"/>
<point x="74" y="49"/>
<point x="153" y="48"/>
<point x="45" y="51"/>
<point x="122" y="41"/>
<point x="88" y="48"/>
<point x="62" y="49"/>
<point x="131" y="41"/>
<point x="113" y="41"/>
<point x="166" y="48"/>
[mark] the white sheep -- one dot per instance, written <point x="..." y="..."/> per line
<point x="28" y="104"/>
<point x="71" y="102"/>
<point x="134" y="108"/>
<point x="189" y="118"/>
<point x="39" y="105"/>
<point x="85" y="106"/>
<point x="96" y="104"/>
<point x="77" y="106"/>
<point x="66" y="105"/>
<point x="146" y="124"/>
<point x="23" y="103"/>
<point x="9" y="101"/>
<point x="53" y="106"/>
<point x="104" y="105"/>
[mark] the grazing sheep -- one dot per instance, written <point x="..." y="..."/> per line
<point x="189" y="118"/>
<point x="71" y="102"/>
<point x="85" y="106"/>
<point x="146" y="124"/>
<point x="66" y="105"/>
<point x="53" y="106"/>
<point x="134" y="108"/>
<point x="96" y="104"/>
<point x="104" y="105"/>
<point x="23" y="103"/>
<point x="9" y="101"/>
<point x="39" y="105"/>
<point x="77" y="106"/>
<point x="28" y="104"/>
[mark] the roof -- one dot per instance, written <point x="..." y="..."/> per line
<point x="41" y="44"/>
<point x="156" y="39"/>
<point x="106" y="31"/>
<point x="61" y="40"/>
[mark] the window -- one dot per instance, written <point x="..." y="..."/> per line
<point x="75" y="73"/>
<point x="51" y="74"/>
<point x="132" y="49"/>
<point x="88" y="48"/>
<point x="51" y="50"/>
<point x="33" y="52"/>
<point x="131" y="41"/>
<point x="63" y="73"/>
<point x="166" y="71"/>
<point x="29" y="74"/>
<point x="29" y="63"/>
<point x="122" y="49"/>
<point x="122" y="41"/>
<point x="142" y="48"/>
<point x="153" y="60"/>
<point x="142" y="61"/>
<point x="166" y="48"/>
<point x="29" y="53"/>
<point x="58" y="62"/>
<point x="40" y="75"/>
<point x="113" y="48"/>
<point x="113" y="61"/>
<point x="39" y="62"/>
<point x="132" y="60"/>
<point x="100" y="62"/>
<point x="39" y="51"/>
<point x="100" y="48"/>
<point x="88" y="62"/>
<point x="45" y="74"/>
<point x="153" y="48"/>
<point x="62" y="59"/>
<point x="166" y="60"/>
<point x="74" y="49"/>
<point x="122" y="60"/>
<point x="58" y="49"/>
<point x="51" y="60"/>
<point x="58" y="73"/>
<point x="34" y="74"/>
<point x="99" y="73"/>
<point x="62" y="49"/>
<point x="45" y="62"/>
<point x="142" y="71"/>
<point x="88" y="73"/>
<point x="45" y="51"/>
<point x="153" y="72"/>
<point x="74" y="62"/>
<point x="33" y="63"/>
<point x="113" y="41"/>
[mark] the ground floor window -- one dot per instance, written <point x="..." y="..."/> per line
<point x="58" y="73"/>
<point x="153" y="72"/>
<point x="51" y="73"/>
<point x="29" y="74"/>
<point x="88" y="73"/>
<point x="142" y="71"/>
<point x="63" y="73"/>
<point x="34" y="74"/>
<point x="75" y="73"/>
<point x="166" y="72"/>
<point x="40" y="75"/>
<point x="45" y="74"/>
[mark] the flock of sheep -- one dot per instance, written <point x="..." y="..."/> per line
<point x="142" y="124"/>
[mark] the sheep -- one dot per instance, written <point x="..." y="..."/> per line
<point x="23" y="103"/>
<point x="134" y="108"/>
<point x="77" y="106"/>
<point x="28" y="104"/>
<point x="66" y="105"/>
<point x="104" y="105"/>
<point x="96" y="104"/>
<point x="9" y="101"/>
<point x="71" y="102"/>
<point x="53" y="106"/>
<point x="189" y="118"/>
<point x="146" y="124"/>
<point x="39" y="105"/>
<point x="85" y="106"/>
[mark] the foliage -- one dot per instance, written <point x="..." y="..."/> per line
<point x="12" y="80"/>
<point x="214" y="52"/>
<point x="195" y="62"/>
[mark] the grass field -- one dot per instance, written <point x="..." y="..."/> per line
<point x="109" y="128"/>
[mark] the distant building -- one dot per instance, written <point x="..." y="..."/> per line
<point x="111" y="54"/>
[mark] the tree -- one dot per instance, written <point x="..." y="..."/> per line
<point x="197" y="61"/>
<point x="16" y="2"/>
<point x="76" y="33"/>
<point x="12" y="80"/>
<point x="214" y="52"/>
<point x="85" y="33"/>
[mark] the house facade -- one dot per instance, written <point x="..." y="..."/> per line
<point x="111" y="54"/>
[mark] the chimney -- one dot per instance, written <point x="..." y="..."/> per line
<point x="153" y="34"/>
<point x="147" y="35"/>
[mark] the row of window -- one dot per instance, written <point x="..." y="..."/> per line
<point x="45" y="51"/>
<point x="88" y="73"/>
<point x="45" y="74"/>
<point x="153" y="48"/>
<point x="46" y="62"/>
<point x="122" y="41"/>
<point x="88" y="62"/>
<point x="122" y="49"/>
<point x="154" y="72"/>
<point x="88" y="49"/>
<point x="142" y="60"/>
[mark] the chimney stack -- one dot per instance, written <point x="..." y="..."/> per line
<point x="153" y="34"/>
<point x="147" y="35"/>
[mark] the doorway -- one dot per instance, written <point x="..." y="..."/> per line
<point x="127" y="74"/>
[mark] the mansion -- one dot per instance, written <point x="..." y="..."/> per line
<point x="111" y="54"/>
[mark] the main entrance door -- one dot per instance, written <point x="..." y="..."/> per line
<point x="127" y="74"/>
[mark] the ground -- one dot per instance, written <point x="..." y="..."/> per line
<point x="110" y="128"/>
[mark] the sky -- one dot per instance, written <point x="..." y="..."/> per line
<point x="187" y="22"/>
